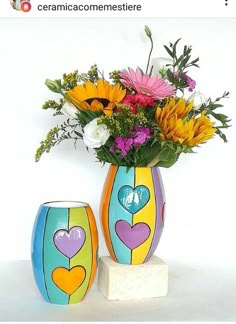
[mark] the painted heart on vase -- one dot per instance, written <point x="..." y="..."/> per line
<point x="68" y="280"/>
<point x="133" y="199"/>
<point x="132" y="236"/>
<point x="69" y="243"/>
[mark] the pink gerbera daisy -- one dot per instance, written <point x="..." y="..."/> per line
<point x="154" y="87"/>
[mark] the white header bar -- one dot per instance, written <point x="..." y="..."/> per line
<point x="117" y="8"/>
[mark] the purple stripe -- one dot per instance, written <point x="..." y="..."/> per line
<point x="160" y="199"/>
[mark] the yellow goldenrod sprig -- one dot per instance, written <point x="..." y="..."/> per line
<point x="47" y="144"/>
<point x="52" y="104"/>
<point x="70" y="80"/>
<point x="56" y="135"/>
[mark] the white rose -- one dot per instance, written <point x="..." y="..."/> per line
<point x="160" y="63"/>
<point x="69" y="110"/>
<point x="95" y="135"/>
<point x="198" y="98"/>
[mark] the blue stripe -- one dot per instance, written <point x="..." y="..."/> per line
<point x="37" y="250"/>
<point x="57" y="219"/>
<point x="117" y="212"/>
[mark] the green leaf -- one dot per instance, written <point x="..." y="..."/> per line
<point x="169" y="51"/>
<point x="184" y="62"/>
<point x="219" y="116"/>
<point x="212" y="106"/>
<point x="168" y="164"/>
<point x="175" y="46"/>
<point x="195" y="61"/>
<point x="166" y="154"/>
<point x="179" y="149"/>
<point x="188" y="149"/>
<point x="78" y="134"/>
<point x="178" y="60"/>
<point x="222" y="135"/>
<point x="170" y="76"/>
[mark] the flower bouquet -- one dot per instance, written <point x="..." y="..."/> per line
<point x="137" y="118"/>
<point x="137" y="121"/>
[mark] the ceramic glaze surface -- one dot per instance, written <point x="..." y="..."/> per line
<point x="132" y="212"/>
<point x="64" y="253"/>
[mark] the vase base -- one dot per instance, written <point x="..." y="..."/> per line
<point x="123" y="282"/>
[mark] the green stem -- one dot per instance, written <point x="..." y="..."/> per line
<point x="149" y="56"/>
<point x="102" y="74"/>
<point x="153" y="162"/>
<point x="110" y="156"/>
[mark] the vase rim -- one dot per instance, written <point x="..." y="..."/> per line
<point x="65" y="204"/>
<point x="136" y="167"/>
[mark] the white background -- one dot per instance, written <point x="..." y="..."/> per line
<point x="200" y="188"/>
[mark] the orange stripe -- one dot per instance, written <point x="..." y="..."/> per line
<point x="94" y="240"/>
<point x="104" y="207"/>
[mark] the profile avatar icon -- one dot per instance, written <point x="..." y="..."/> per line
<point x="21" y="5"/>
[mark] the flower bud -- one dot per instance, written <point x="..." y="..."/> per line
<point x="160" y="64"/>
<point x="148" y="31"/>
<point x="198" y="99"/>
<point x="69" y="110"/>
<point x="53" y="85"/>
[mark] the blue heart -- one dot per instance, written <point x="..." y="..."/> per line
<point x="133" y="199"/>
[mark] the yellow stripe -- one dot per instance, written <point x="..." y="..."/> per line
<point x="143" y="176"/>
<point x="79" y="217"/>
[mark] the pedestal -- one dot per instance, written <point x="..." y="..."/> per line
<point x="122" y="282"/>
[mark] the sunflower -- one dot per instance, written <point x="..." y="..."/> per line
<point x="171" y="119"/>
<point x="100" y="97"/>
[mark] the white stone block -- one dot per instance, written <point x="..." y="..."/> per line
<point x="122" y="282"/>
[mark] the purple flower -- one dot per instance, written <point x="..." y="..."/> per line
<point x="140" y="135"/>
<point x="123" y="153"/>
<point x="119" y="142"/>
<point x="128" y="143"/>
<point x="112" y="149"/>
<point x="190" y="82"/>
<point x="137" y="137"/>
<point x="124" y="144"/>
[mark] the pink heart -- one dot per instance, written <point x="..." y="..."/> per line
<point x="132" y="236"/>
<point x="69" y="243"/>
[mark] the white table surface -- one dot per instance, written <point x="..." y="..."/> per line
<point x="195" y="294"/>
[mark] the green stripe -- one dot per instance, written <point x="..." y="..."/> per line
<point x="79" y="217"/>
<point x="57" y="219"/>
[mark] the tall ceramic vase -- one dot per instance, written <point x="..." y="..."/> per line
<point x="64" y="251"/>
<point x="132" y="212"/>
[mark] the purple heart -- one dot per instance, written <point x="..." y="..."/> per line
<point x="69" y="243"/>
<point x="132" y="236"/>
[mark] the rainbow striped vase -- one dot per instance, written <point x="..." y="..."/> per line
<point x="64" y="251"/>
<point x="132" y="212"/>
